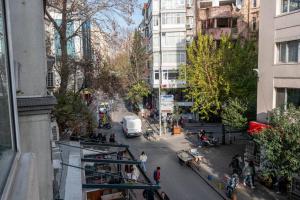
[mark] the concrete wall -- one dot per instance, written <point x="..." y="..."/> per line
<point x="35" y="137"/>
<point x="28" y="45"/>
<point x="275" y="27"/>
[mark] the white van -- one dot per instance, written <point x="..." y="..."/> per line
<point x="132" y="126"/>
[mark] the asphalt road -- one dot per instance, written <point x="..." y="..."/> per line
<point x="179" y="182"/>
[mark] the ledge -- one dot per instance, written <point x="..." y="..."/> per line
<point x="36" y="105"/>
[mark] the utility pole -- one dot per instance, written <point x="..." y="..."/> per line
<point x="160" y="74"/>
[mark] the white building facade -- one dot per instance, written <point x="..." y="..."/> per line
<point x="168" y="25"/>
<point x="279" y="56"/>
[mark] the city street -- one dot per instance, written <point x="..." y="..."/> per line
<point x="179" y="182"/>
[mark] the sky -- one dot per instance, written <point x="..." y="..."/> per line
<point x="137" y="15"/>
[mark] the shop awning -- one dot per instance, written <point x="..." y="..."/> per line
<point x="256" y="127"/>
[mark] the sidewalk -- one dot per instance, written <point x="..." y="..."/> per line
<point x="214" y="169"/>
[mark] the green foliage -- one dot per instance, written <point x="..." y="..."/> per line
<point x="71" y="112"/>
<point x="138" y="58"/>
<point x="280" y="143"/>
<point x="216" y="73"/>
<point x="137" y="91"/>
<point x="233" y="114"/>
<point x="207" y="86"/>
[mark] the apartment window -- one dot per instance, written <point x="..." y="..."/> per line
<point x="288" y="52"/>
<point x="172" y="74"/>
<point x="155" y="40"/>
<point x="254" y="23"/>
<point x="173" y="39"/>
<point x="173" y="18"/>
<point x="7" y="148"/>
<point x="222" y="22"/>
<point x="172" y="4"/>
<point x="178" y="57"/>
<point x="50" y="79"/>
<point x="156" y="74"/>
<point x="286" y="96"/>
<point x="289" y="5"/>
<point x="254" y="3"/>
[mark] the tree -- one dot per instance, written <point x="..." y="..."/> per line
<point x="102" y="13"/>
<point x="218" y="72"/>
<point x="233" y="114"/>
<point x="280" y="143"/>
<point x="240" y="58"/>
<point x="138" y="58"/>
<point x="206" y="83"/>
<point x="136" y="93"/>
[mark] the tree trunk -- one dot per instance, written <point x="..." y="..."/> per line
<point x="64" y="60"/>
<point x="64" y="66"/>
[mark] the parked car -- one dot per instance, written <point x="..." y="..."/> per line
<point x="132" y="126"/>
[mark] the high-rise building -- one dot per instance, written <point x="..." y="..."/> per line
<point x="279" y="56"/>
<point x="167" y="26"/>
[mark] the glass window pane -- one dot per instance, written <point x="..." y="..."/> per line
<point x="284" y="6"/>
<point x="293" y="51"/>
<point x="282" y="52"/>
<point x="294" y="5"/>
<point x="280" y="97"/>
<point x="293" y="96"/>
<point x="6" y="140"/>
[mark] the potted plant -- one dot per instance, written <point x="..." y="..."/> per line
<point x="176" y="127"/>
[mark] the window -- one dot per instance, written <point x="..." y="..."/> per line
<point x="172" y="75"/>
<point x="178" y="57"/>
<point x="7" y="148"/>
<point x="286" y="96"/>
<point x="289" y="5"/>
<point x="155" y="39"/>
<point x="156" y="74"/>
<point x="50" y="79"/>
<point x="288" y="52"/>
<point x="173" y="18"/>
<point x="254" y="3"/>
<point x="223" y="23"/>
<point x="172" y="4"/>
<point x="254" y="23"/>
<point x="169" y="74"/>
<point x="174" y="39"/>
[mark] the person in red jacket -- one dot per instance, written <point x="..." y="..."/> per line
<point x="156" y="175"/>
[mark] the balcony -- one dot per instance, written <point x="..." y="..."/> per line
<point x="217" y="33"/>
<point x="216" y="12"/>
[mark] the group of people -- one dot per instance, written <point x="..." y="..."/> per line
<point x="247" y="170"/>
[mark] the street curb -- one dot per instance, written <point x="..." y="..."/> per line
<point x="219" y="192"/>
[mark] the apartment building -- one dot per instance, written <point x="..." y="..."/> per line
<point x="279" y="56"/>
<point x="167" y="26"/>
<point x="78" y="48"/>
<point x="234" y="18"/>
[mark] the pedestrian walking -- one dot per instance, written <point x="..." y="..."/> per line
<point x="156" y="175"/>
<point x="143" y="159"/>
<point x="248" y="173"/>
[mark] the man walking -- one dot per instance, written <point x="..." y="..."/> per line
<point x="156" y="175"/>
<point x="143" y="159"/>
